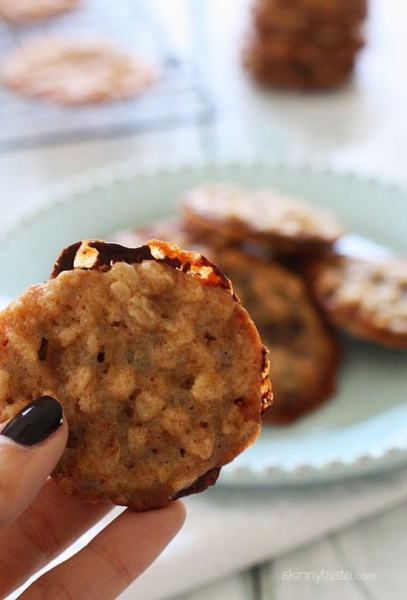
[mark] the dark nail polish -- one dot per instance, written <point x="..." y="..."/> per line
<point x="35" y="422"/>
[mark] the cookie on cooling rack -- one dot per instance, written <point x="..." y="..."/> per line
<point x="21" y="11"/>
<point x="160" y="370"/>
<point x="75" y="70"/>
<point x="285" y="223"/>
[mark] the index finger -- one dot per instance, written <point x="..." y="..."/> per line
<point x="113" y="559"/>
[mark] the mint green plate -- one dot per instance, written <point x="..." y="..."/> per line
<point x="363" y="428"/>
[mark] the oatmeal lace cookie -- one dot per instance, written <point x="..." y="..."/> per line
<point x="20" y="11"/>
<point x="305" y="44"/>
<point x="160" y="370"/>
<point x="284" y="223"/>
<point x="75" y="71"/>
<point x="305" y="353"/>
<point x="367" y="297"/>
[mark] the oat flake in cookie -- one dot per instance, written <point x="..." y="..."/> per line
<point x="159" y="368"/>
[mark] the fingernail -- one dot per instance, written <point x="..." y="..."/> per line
<point x="35" y="422"/>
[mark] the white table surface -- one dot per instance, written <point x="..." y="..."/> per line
<point x="362" y="127"/>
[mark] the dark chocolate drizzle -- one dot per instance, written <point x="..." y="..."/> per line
<point x="201" y="484"/>
<point x="111" y="253"/>
<point x="65" y="260"/>
<point x="108" y="254"/>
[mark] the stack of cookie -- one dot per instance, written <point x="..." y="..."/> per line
<point x="305" y="44"/>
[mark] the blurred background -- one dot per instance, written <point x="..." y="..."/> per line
<point x="206" y="106"/>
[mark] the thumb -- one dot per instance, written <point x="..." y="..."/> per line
<point x="31" y="444"/>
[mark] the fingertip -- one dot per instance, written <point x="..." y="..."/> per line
<point x="42" y="422"/>
<point x="167" y="521"/>
<point x="31" y="444"/>
<point x="178" y="513"/>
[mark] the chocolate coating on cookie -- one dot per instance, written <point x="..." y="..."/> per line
<point x="96" y="254"/>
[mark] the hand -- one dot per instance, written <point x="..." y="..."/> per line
<point x="37" y="521"/>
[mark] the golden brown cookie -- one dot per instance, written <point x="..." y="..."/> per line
<point x="366" y="297"/>
<point x="296" y="74"/>
<point x="303" y="15"/>
<point x="281" y="50"/>
<point x="75" y="71"/>
<point x="20" y="11"/>
<point x="159" y="368"/>
<point x="304" y="351"/>
<point x="284" y="223"/>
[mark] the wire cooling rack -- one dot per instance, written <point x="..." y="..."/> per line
<point x="177" y="98"/>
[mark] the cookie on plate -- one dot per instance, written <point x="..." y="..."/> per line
<point x="287" y="224"/>
<point x="160" y="370"/>
<point x="304" y="350"/>
<point x="367" y="297"/>
<point x="75" y="70"/>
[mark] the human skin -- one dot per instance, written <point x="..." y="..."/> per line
<point x="37" y="522"/>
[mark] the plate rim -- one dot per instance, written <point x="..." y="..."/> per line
<point x="124" y="171"/>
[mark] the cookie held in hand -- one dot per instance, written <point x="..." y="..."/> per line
<point x="160" y="370"/>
